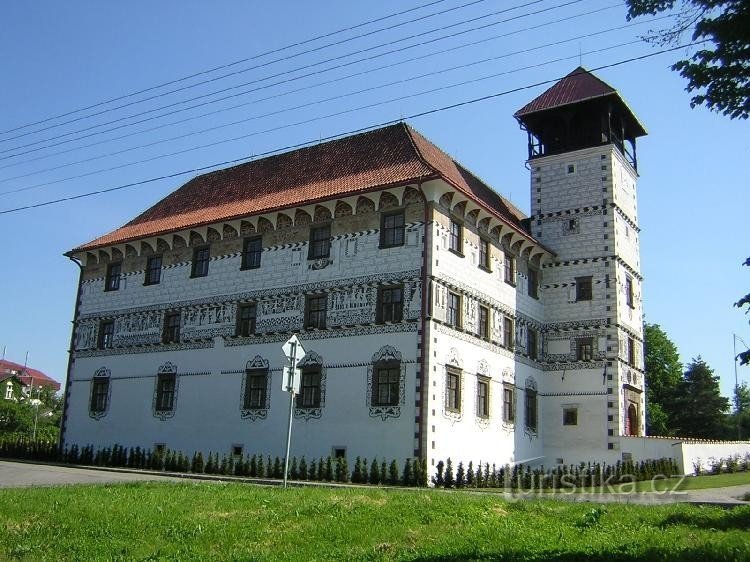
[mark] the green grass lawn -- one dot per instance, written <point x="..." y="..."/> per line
<point x="208" y="521"/>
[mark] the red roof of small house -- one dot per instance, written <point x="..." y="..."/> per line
<point x="27" y="375"/>
<point x="389" y="156"/>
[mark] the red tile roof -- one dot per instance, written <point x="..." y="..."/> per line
<point x="578" y="86"/>
<point x="26" y="375"/>
<point x="389" y="156"/>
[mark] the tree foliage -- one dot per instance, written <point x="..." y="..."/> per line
<point x="744" y="356"/>
<point x="663" y="376"/>
<point x="719" y="71"/>
<point x="700" y="409"/>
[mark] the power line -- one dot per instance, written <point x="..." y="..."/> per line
<point x="261" y="65"/>
<point x="287" y="92"/>
<point x="304" y="121"/>
<point x="318" y="102"/>
<point x="280" y="74"/>
<point x="338" y="135"/>
<point x="223" y="66"/>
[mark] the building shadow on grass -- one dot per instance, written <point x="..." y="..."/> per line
<point x="734" y="518"/>
<point x="695" y="554"/>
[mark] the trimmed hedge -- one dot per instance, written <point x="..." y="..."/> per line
<point x="330" y="469"/>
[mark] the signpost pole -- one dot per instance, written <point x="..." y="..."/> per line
<point x="290" y="386"/>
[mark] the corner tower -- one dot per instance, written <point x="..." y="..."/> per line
<point x="582" y="157"/>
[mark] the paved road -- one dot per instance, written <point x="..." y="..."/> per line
<point x="16" y="474"/>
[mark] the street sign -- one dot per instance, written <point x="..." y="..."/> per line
<point x="295" y="383"/>
<point x="293" y="348"/>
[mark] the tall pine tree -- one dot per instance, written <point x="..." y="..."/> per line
<point x="700" y="407"/>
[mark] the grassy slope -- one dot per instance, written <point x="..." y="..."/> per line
<point x="236" y="522"/>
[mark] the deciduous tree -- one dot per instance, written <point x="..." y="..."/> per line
<point x="663" y="376"/>
<point x="719" y="71"/>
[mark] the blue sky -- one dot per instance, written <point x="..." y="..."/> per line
<point x="58" y="57"/>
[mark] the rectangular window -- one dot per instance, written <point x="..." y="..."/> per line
<point x="165" y="387"/>
<point x="531" y="343"/>
<point x="531" y="409"/>
<point x="631" y="351"/>
<point x="386" y="385"/>
<point x="454" y="310"/>
<point x="508" y="336"/>
<point x="246" y="315"/>
<point x="315" y="311"/>
<point x="106" y="334"/>
<point x="171" y="332"/>
<point x="509" y="410"/>
<point x="153" y="271"/>
<point x="391" y="304"/>
<point x="252" y="248"/>
<point x="99" y="395"/>
<point x="453" y="390"/>
<point x="533" y="283"/>
<point x="484" y="254"/>
<point x="320" y="242"/>
<point x="256" y="384"/>
<point x="392" y="228"/>
<point x="570" y="416"/>
<point x="455" y="238"/>
<point x="112" y="282"/>
<point x="509" y="264"/>
<point x="629" y="291"/>
<point x="483" y="398"/>
<point x="201" y="257"/>
<point x="483" y="324"/>
<point x="309" y="396"/>
<point x="585" y="349"/>
<point x="583" y="289"/>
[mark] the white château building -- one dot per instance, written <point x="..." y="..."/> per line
<point x="438" y="320"/>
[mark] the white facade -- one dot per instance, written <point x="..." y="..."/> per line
<point x="510" y="341"/>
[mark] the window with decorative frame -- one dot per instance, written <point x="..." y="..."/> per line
<point x="171" y="333"/>
<point x="112" y="280"/>
<point x="533" y="286"/>
<point x="201" y="259"/>
<point x="585" y="349"/>
<point x="309" y="394"/>
<point x="584" y="291"/>
<point x="509" y="406"/>
<point x="106" y="334"/>
<point x="100" y="394"/>
<point x="320" y="242"/>
<point x="483" y="323"/>
<point x="386" y="384"/>
<point x="252" y="250"/>
<point x="483" y="397"/>
<point x="392" y="229"/>
<point x="484" y="254"/>
<point x="256" y="386"/>
<point x="453" y="389"/>
<point x="629" y="291"/>
<point x="316" y="307"/>
<point x="152" y="274"/>
<point x="453" y="316"/>
<point x="630" y="342"/>
<point x="246" y="317"/>
<point x="166" y="385"/>
<point x="531" y="343"/>
<point x="390" y="304"/>
<point x="456" y="237"/>
<point x="508" y="335"/>
<point x="531" y="409"/>
<point x="509" y="269"/>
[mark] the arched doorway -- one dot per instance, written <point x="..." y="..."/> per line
<point x="631" y="421"/>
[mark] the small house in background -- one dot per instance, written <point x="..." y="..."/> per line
<point x="27" y="377"/>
